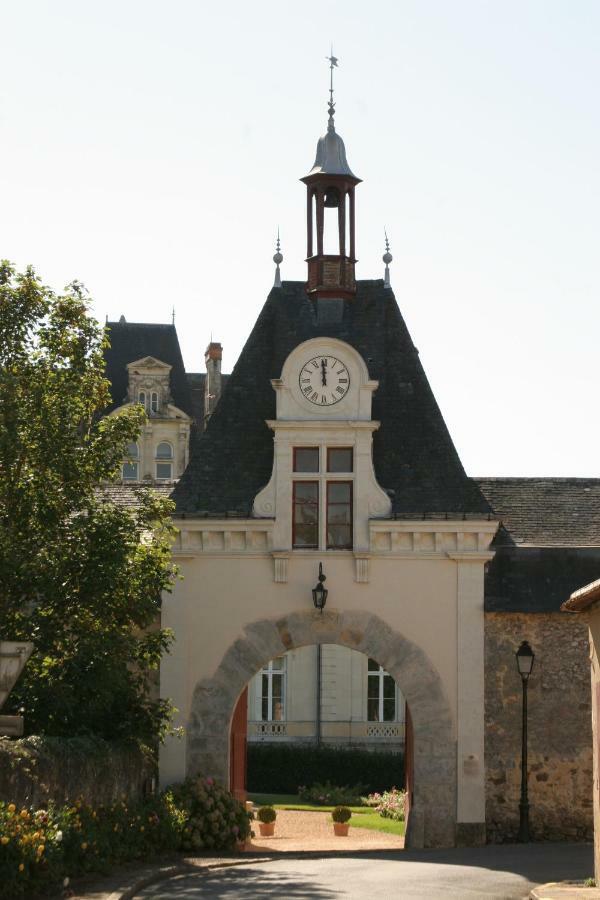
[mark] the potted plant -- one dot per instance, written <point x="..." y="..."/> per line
<point x="340" y="816"/>
<point x="266" y="816"/>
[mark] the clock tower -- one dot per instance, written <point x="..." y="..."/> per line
<point x="330" y="187"/>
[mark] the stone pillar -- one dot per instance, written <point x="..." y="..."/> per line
<point x="212" y="385"/>
<point x="470" y="809"/>
<point x="594" y="623"/>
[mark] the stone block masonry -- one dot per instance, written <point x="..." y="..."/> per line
<point x="559" y="726"/>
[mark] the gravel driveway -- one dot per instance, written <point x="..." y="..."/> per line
<point x="299" y="830"/>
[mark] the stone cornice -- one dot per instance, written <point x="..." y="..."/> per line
<point x="316" y="425"/>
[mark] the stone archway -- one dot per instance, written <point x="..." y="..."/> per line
<point x="432" y="820"/>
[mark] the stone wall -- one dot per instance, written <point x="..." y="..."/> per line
<point x="35" y="770"/>
<point x="560" y="736"/>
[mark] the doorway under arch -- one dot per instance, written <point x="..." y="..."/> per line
<point x="432" y="818"/>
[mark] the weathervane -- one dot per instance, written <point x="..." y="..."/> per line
<point x="333" y="61"/>
<point x="277" y="259"/>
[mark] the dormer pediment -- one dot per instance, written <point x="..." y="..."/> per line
<point x="150" y="365"/>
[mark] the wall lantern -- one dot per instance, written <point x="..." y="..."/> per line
<point x="319" y="592"/>
<point x="525" y="657"/>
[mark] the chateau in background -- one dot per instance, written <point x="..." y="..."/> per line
<point x="327" y="447"/>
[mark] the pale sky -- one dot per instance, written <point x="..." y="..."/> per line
<point x="151" y="150"/>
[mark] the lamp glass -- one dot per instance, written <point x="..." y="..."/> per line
<point x="525" y="657"/>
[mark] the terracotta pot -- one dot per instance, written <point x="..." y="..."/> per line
<point x="341" y="829"/>
<point x="267" y="829"/>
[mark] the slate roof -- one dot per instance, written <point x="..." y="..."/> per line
<point x="414" y="457"/>
<point x="127" y="494"/>
<point x="548" y="544"/>
<point x="546" y="512"/>
<point x="134" y="340"/>
<point x="196" y="382"/>
<point x="537" y="580"/>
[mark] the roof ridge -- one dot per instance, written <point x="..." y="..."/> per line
<point x="562" y="479"/>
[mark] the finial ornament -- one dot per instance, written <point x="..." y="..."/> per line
<point x="173" y="316"/>
<point x="333" y="61"/>
<point x="277" y="259"/>
<point x="387" y="258"/>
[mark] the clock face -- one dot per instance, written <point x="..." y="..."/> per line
<point x="324" y="380"/>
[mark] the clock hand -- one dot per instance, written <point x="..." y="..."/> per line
<point x="323" y="372"/>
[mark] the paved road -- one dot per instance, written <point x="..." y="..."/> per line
<point x="488" y="873"/>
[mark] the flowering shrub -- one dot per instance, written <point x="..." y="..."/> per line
<point x="40" y="850"/>
<point x="215" y="820"/>
<point x="389" y="805"/>
<point x="328" y="794"/>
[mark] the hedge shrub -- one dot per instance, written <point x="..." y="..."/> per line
<point x="282" y="768"/>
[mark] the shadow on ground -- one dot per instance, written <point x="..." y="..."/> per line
<point x="498" y="871"/>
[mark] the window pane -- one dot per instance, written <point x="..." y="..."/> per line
<point x="389" y="687"/>
<point x="373" y="710"/>
<point x="163" y="470"/>
<point x="339" y="459"/>
<point x="339" y="537"/>
<point x="132" y="451"/>
<point x="130" y="471"/>
<point x="164" y="451"/>
<point x="339" y="491"/>
<point x="154" y="405"/>
<point x="265" y="687"/>
<point x="306" y="514"/>
<point x="277" y="687"/>
<point x="306" y="459"/>
<point x="373" y="688"/>
<point x="389" y="710"/>
<point x="142" y="398"/>
<point x="373" y="665"/>
<point x="339" y="515"/>
<point x="265" y="709"/>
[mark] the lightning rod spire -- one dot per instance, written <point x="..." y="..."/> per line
<point x="277" y="259"/>
<point x="387" y="258"/>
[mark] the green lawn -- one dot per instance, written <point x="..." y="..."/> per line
<point x="362" y="816"/>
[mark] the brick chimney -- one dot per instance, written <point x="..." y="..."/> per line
<point x="212" y="385"/>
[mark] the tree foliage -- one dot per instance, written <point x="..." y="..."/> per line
<point x="80" y="576"/>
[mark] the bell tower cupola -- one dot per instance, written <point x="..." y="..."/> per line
<point x="330" y="214"/>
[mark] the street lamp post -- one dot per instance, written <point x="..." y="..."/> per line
<point x="525" y="657"/>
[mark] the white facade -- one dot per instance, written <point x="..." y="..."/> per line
<point x="336" y="694"/>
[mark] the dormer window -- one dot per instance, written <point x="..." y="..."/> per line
<point x="164" y="461"/>
<point x="154" y="402"/>
<point x="130" y="468"/>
